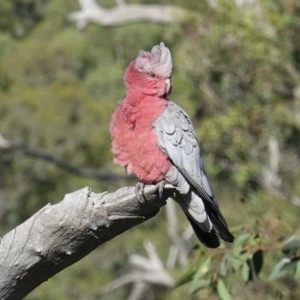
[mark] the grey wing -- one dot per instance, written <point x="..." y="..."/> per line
<point x="176" y="138"/>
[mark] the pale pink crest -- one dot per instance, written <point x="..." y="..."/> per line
<point x="158" y="61"/>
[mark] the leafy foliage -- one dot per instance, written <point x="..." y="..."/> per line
<point x="236" y="72"/>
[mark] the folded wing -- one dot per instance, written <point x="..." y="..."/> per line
<point x="176" y="138"/>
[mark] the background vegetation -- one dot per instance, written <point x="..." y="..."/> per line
<point x="236" y="72"/>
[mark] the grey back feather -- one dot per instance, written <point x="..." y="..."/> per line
<point x="176" y="138"/>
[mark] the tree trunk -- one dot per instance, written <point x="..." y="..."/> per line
<point x="59" y="235"/>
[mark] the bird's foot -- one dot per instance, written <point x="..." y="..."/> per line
<point x="160" y="188"/>
<point x="139" y="192"/>
<point x="140" y="187"/>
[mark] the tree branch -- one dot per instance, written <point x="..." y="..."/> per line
<point x="49" y="158"/>
<point x="59" y="235"/>
<point x="147" y="271"/>
<point x="124" y="13"/>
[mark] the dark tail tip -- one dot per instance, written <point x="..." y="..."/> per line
<point x="226" y="236"/>
<point x="221" y="226"/>
<point x="209" y="239"/>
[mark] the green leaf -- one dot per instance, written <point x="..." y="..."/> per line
<point x="223" y="291"/>
<point x="203" y="269"/>
<point x="282" y="268"/>
<point x="246" y="272"/>
<point x="257" y="261"/>
<point x="195" y="273"/>
<point x="255" y="264"/>
<point x="237" y="263"/>
<point x="297" y="271"/>
<point x="198" y="281"/>
<point x="223" y="269"/>
<point x="252" y="267"/>
<point x="241" y="239"/>
<point x="200" y="284"/>
<point x="187" y="277"/>
<point x="291" y="246"/>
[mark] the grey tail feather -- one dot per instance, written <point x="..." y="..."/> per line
<point x="209" y="239"/>
<point x="220" y="227"/>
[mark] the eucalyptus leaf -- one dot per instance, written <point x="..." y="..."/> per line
<point x="187" y="277"/>
<point x="203" y="268"/>
<point x="282" y="268"/>
<point x="291" y="247"/>
<point x="223" y="268"/>
<point x="223" y="291"/>
<point x="297" y="272"/>
<point x="200" y="284"/>
<point x="246" y="272"/>
<point x="241" y="239"/>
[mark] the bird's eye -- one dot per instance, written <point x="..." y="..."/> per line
<point x="152" y="74"/>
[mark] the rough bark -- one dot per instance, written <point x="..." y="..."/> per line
<point x="59" y="235"/>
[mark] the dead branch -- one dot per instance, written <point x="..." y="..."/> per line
<point x="180" y="248"/>
<point x="92" y="12"/>
<point x="59" y="235"/>
<point x="152" y="269"/>
<point x="147" y="271"/>
<point x="271" y="180"/>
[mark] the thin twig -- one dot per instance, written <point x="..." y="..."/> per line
<point x="51" y="159"/>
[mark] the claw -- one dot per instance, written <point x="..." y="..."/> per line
<point x="139" y="192"/>
<point x="140" y="186"/>
<point x="160" y="187"/>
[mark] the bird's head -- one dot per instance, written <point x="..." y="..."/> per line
<point x="150" y="72"/>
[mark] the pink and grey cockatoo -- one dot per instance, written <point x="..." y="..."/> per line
<point x="154" y="138"/>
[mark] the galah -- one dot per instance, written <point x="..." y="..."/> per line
<point x="154" y="138"/>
